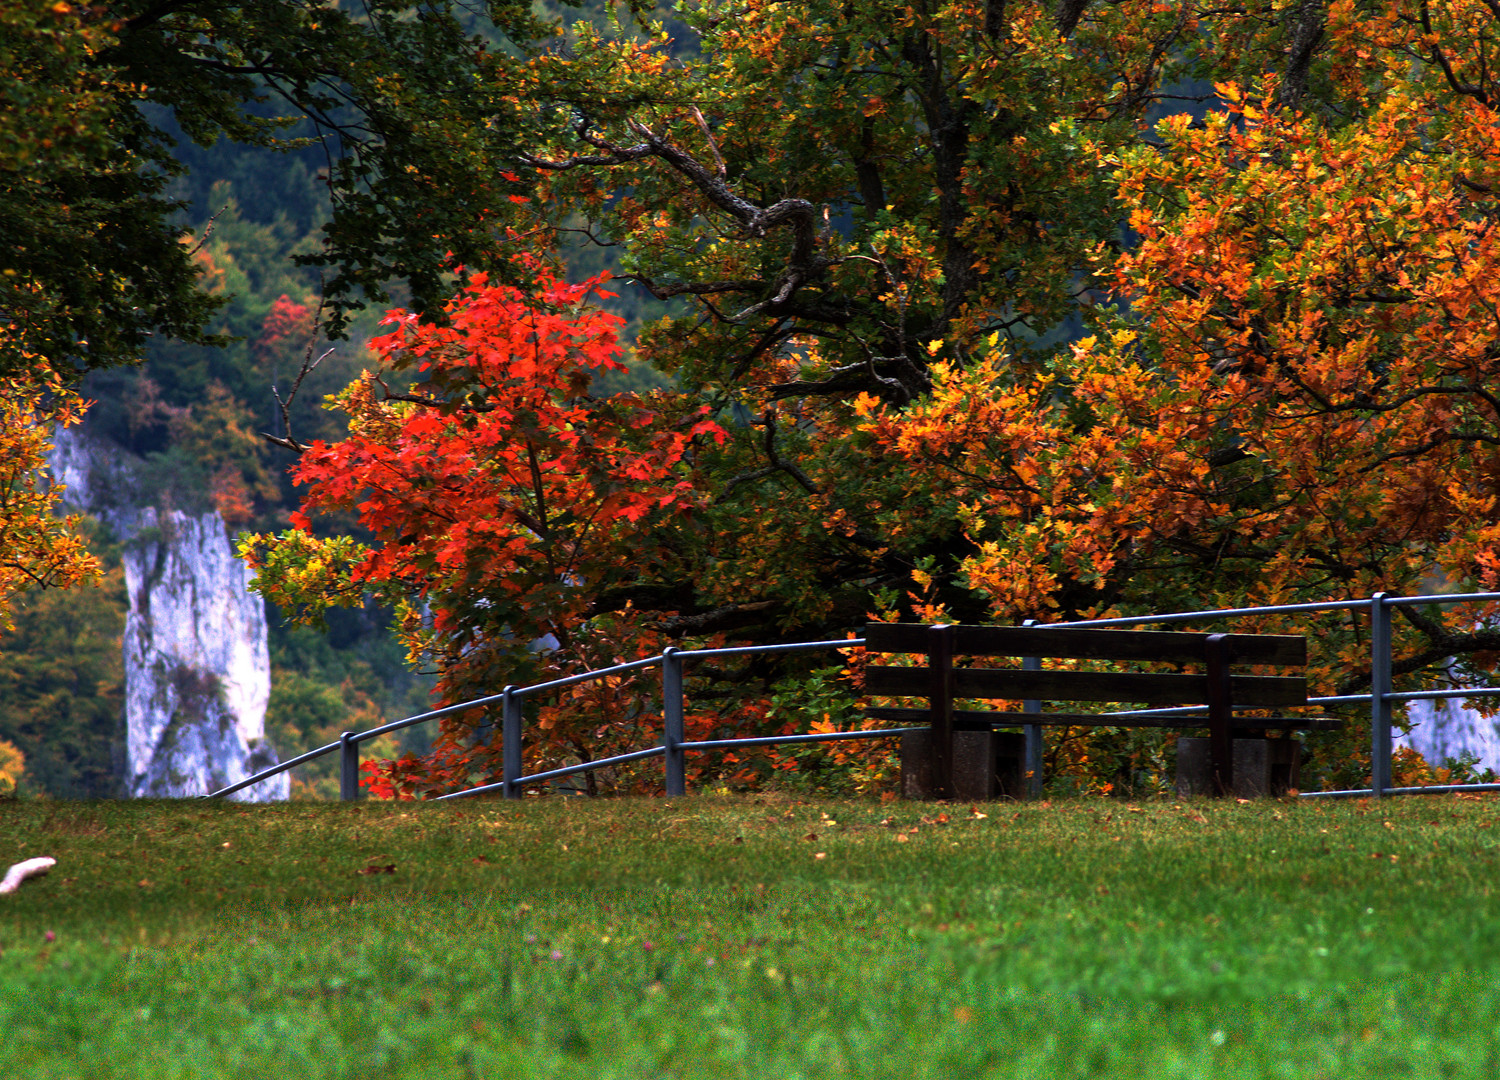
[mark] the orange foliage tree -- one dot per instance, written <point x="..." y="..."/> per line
<point x="37" y="548"/>
<point x="986" y="337"/>
<point x="1296" y="400"/>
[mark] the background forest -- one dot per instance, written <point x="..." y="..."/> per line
<point x="752" y="321"/>
<point x="195" y="413"/>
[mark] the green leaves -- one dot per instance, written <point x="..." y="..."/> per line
<point x="414" y="113"/>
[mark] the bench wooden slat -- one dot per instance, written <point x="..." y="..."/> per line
<point x="1079" y="643"/>
<point x="972" y="718"/>
<point x="1146" y="688"/>
<point x="1213" y="689"/>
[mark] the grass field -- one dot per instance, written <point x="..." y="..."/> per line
<point x="753" y="937"/>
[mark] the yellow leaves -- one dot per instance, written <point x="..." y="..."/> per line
<point x="12" y="767"/>
<point x="304" y="574"/>
<point x="37" y="549"/>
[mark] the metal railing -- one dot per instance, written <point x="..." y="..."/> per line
<point x="1381" y="697"/>
<point x="674" y="747"/>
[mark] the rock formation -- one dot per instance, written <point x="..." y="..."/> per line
<point x="197" y="668"/>
<point x="1444" y="730"/>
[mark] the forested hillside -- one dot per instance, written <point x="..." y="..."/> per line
<point x="195" y="412"/>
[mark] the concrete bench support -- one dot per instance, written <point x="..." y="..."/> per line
<point x="1262" y="767"/>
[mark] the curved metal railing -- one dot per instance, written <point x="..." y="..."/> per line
<point x="674" y="747"/>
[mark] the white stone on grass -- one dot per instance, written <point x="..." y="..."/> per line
<point x="23" y="870"/>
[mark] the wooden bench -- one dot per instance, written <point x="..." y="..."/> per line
<point x="1214" y="690"/>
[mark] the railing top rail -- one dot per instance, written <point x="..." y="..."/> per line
<point x="422" y="718"/>
<point x="1216" y="613"/>
<point x="1283" y="609"/>
<point x="795" y="646"/>
<point x="573" y="680"/>
<point x="274" y="770"/>
<point x="1442" y="598"/>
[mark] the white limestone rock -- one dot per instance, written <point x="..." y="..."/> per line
<point x="1445" y="730"/>
<point x="197" y="668"/>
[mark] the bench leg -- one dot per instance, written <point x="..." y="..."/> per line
<point x="1220" y="713"/>
<point x="986" y="765"/>
<point x="940" y="661"/>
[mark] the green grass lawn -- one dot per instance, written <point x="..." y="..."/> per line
<point x="754" y="937"/>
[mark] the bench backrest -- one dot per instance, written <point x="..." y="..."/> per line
<point x="943" y="643"/>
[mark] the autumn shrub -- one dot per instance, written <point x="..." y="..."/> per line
<point x="824" y="701"/>
<point x="1409" y="768"/>
<point x="12" y="768"/>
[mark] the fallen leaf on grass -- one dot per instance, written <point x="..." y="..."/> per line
<point x="389" y="868"/>
<point x="479" y="859"/>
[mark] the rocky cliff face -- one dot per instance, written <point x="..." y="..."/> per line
<point x="1445" y="730"/>
<point x="197" y="669"/>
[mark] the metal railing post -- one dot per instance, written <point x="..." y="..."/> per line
<point x="510" y="735"/>
<point x="672" y="725"/>
<point x="1380" y="686"/>
<point x="348" y="767"/>
<point x="1035" y="745"/>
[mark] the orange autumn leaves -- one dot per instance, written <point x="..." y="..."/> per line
<point x="1301" y="404"/>
<point x="1289" y="399"/>
<point x="37" y="549"/>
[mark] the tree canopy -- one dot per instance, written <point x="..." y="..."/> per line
<point x="974" y="310"/>
<point x="406" y="102"/>
<point x="903" y="213"/>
